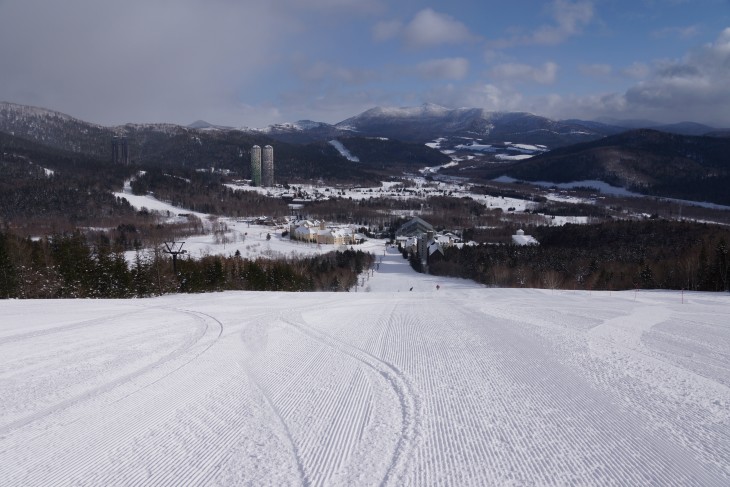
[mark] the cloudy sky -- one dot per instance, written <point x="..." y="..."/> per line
<point x="256" y="62"/>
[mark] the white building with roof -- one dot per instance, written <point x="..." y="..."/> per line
<point x="521" y="239"/>
<point x="318" y="232"/>
<point x="304" y="230"/>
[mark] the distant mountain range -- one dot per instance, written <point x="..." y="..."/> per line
<point x="429" y="122"/>
<point x="380" y="142"/>
<point x="681" y="128"/>
<point x="411" y="124"/>
<point x="207" y="146"/>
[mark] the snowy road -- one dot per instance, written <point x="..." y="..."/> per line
<point x="461" y="386"/>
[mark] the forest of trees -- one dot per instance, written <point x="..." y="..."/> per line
<point x="651" y="254"/>
<point x="644" y="161"/>
<point x="205" y="192"/>
<point x="44" y="190"/>
<point x="70" y="266"/>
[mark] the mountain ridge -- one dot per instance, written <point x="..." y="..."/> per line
<point x="155" y="145"/>
<point x="643" y="160"/>
<point x="389" y="140"/>
<point x="415" y="124"/>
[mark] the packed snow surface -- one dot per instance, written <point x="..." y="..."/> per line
<point x="594" y="184"/>
<point x="477" y="147"/>
<point x="606" y="188"/>
<point x="455" y="385"/>
<point x="343" y="150"/>
<point x="436" y="144"/>
<point x="517" y="157"/>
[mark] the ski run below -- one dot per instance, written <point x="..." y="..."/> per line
<point x="460" y="385"/>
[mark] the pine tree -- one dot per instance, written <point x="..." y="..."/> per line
<point x="722" y="266"/>
<point x="8" y="273"/>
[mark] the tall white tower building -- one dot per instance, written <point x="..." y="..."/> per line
<point x="267" y="176"/>
<point x="256" y="165"/>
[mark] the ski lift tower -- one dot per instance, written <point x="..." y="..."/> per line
<point x="174" y="248"/>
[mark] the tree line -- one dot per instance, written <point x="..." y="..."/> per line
<point x="614" y="255"/>
<point x="71" y="266"/>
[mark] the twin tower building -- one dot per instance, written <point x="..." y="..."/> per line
<point x="262" y="171"/>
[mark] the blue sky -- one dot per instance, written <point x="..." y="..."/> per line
<point x="258" y="62"/>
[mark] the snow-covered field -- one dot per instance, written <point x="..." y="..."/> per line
<point x="249" y="239"/>
<point x="463" y="385"/>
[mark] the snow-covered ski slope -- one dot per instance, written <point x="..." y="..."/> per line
<point x="462" y="385"/>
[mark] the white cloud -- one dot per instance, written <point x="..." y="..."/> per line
<point x="596" y="70"/>
<point x="569" y="20"/>
<point x="515" y="72"/>
<point x="637" y="70"/>
<point x="156" y="60"/>
<point x="137" y="60"/>
<point x="693" y="88"/>
<point x="483" y="95"/>
<point x="387" y="29"/>
<point x="585" y="106"/>
<point x="429" y="28"/>
<point x="448" y="68"/>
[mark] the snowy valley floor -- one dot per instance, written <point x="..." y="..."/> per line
<point x="458" y="386"/>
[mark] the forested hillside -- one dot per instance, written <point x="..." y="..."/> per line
<point x="644" y="161"/>
<point x="608" y="256"/>
<point x="45" y="189"/>
<point x="70" y="266"/>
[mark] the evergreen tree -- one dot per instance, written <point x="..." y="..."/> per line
<point x="8" y="273"/>
<point x="722" y="266"/>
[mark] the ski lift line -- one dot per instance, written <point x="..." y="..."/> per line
<point x="174" y="248"/>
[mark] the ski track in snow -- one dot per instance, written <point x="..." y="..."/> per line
<point x="355" y="414"/>
<point x="461" y="386"/>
